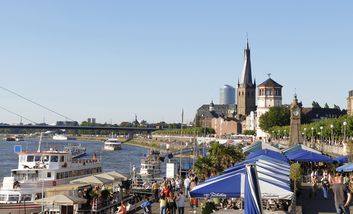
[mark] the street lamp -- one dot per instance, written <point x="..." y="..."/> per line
<point x="304" y="134"/>
<point x="331" y="126"/>
<point x="344" y="131"/>
<point x="321" y="133"/>
<point x="312" y="133"/>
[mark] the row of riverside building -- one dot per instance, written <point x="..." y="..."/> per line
<point x="234" y="116"/>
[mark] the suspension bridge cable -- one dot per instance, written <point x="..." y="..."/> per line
<point x="35" y="103"/>
<point x="17" y="114"/>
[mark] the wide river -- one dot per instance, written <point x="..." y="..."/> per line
<point x="119" y="161"/>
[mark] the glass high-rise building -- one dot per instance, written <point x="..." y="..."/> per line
<point x="227" y="95"/>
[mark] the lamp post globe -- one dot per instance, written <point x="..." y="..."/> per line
<point x="344" y="131"/>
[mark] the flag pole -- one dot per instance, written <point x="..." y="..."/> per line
<point x="181" y="136"/>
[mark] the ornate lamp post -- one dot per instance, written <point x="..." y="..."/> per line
<point x="304" y="135"/>
<point x="331" y="126"/>
<point x="312" y="133"/>
<point x="321" y="133"/>
<point x="344" y="131"/>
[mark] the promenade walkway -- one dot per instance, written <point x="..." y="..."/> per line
<point x="312" y="204"/>
<point x="187" y="209"/>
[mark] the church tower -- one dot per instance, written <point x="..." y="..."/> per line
<point x="246" y="87"/>
<point x="269" y="94"/>
<point x="295" y="131"/>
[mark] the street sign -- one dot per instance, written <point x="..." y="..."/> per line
<point x="17" y="148"/>
<point x="170" y="170"/>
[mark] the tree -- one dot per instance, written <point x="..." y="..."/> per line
<point x="336" y="107"/>
<point x="220" y="158"/>
<point x="326" y="106"/>
<point x="249" y="132"/>
<point x="276" y="116"/>
<point x="315" y="104"/>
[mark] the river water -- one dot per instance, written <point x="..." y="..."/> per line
<point x="119" y="160"/>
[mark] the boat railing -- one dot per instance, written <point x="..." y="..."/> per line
<point x="144" y="183"/>
<point x="86" y="161"/>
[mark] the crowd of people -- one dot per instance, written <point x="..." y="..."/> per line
<point x="339" y="182"/>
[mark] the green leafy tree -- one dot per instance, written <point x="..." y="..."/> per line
<point x="276" y="116"/>
<point x="336" y="107"/>
<point x="249" y="132"/>
<point x="220" y="158"/>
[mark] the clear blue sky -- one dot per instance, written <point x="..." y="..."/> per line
<point x="112" y="59"/>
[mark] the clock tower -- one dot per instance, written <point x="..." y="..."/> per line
<point x="295" y="131"/>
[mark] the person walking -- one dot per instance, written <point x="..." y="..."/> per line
<point x="187" y="186"/>
<point x="342" y="195"/>
<point x="325" y="185"/>
<point x="122" y="208"/>
<point x="163" y="204"/>
<point x="155" y="189"/>
<point x="180" y="202"/>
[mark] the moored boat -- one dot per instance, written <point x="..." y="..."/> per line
<point x="150" y="165"/>
<point x="38" y="170"/>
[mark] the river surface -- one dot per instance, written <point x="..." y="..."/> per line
<point x="120" y="160"/>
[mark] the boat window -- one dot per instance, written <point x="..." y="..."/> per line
<point x="48" y="174"/>
<point x="61" y="158"/>
<point x="45" y="158"/>
<point x="54" y="158"/>
<point x="30" y="158"/>
<point x="3" y="197"/>
<point x="37" y="158"/>
<point x="26" y="197"/>
<point x="14" y="197"/>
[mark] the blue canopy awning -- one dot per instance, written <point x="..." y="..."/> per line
<point x="342" y="159"/>
<point x="252" y="195"/>
<point x="231" y="185"/>
<point x="253" y="160"/>
<point x="345" y="168"/>
<point x="223" y="186"/>
<point x="266" y="152"/>
<point x="307" y="156"/>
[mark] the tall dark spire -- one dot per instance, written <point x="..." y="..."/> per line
<point x="246" y="78"/>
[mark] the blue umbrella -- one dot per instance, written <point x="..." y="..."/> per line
<point x="306" y="156"/>
<point x="252" y="195"/>
<point x="345" y="168"/>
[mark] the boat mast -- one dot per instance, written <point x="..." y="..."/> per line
<point x="40" y="142"/>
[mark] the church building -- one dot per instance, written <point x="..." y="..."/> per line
<point x="246" y="90"/>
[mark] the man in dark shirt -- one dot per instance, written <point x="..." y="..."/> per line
<point x="342" y="195"/>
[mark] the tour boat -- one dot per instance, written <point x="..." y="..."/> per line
<point x="150" y="165"/>
<point x="37" y="171"/>
<point x="112" y="144"/>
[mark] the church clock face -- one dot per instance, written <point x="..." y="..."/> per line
<point x="296" y="112"/>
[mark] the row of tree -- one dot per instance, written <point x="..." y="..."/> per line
<point x="329" y="128"/>
<point x="190" y="131"/>
<point x="317" y="105"/>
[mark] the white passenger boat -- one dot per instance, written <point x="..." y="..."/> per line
<point x="37" y="171"/>
<point x="112" y="144"/>
<point x="62" y="137"/>
<point x="151" y="165"/>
